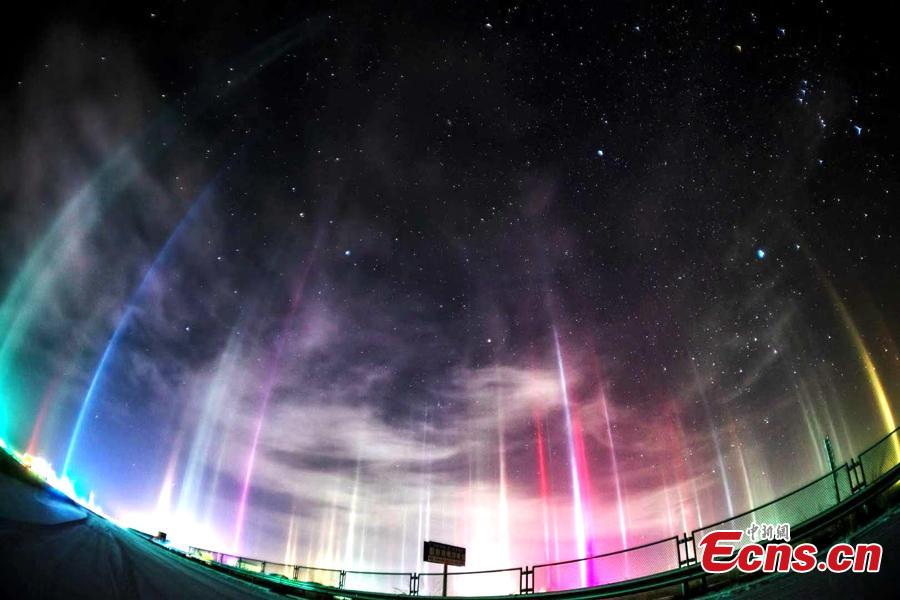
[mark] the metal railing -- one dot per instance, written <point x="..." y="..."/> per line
<point x="668" y="555"/>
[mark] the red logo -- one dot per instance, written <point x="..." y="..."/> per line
<point x="720" y="552"/>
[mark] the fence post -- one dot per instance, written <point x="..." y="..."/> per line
<point x="688" y="558"/>
<point x="829" y="453"/>
<point x="526" y="580"/>
<point x="413" y="584"/>
<point x="856" y="472"/>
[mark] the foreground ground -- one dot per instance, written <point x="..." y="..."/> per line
<point x="50" y="548"/>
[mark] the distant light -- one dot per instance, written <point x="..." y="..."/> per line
<point x="760" y="253"/>
<point x="599" y="152"/>
<point x="858" y="129"/>
<point x="346" y="253"/>
<point x="43" y="469"/>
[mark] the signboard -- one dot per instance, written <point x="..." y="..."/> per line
<point x="445" y="554"/>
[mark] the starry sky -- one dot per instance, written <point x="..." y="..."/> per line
<point x="317" y="283"/>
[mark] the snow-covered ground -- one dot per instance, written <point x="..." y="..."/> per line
<point x="53" y="548"/>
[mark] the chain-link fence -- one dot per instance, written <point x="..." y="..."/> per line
<point x="378" y="581"/>
<point x="471" y="583"/>
<point x="881" y="457"/>
<point x="212" y="556"/>
<point x="612" y="567"/>
<point x="329" y="577"/>
<point x="795" y="508"/>
<point x="274" y="568"/>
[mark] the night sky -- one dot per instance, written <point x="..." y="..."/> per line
<point x="317" y="283"/>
